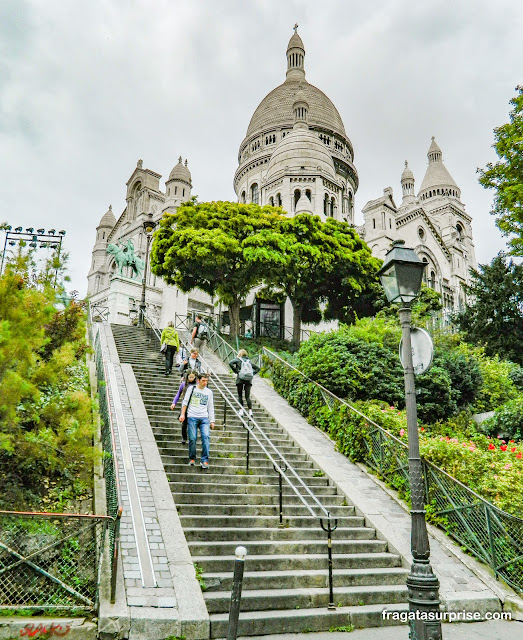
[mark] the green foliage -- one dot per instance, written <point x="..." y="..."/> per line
<point x="495" y="319"/>
<point x="508" y="420"/>
<point x="351" y="367"/>
<point x="497" y="386"/>
<point x="346" y="629"/>
<point x="516" y="377"/>
<point x="505" y="177"/>
<point x="223" y="248"/>
<point x="45" y="406"/>
<point x="199" y="576"/>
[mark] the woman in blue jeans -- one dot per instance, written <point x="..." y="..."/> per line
<point x="198" y="404"/>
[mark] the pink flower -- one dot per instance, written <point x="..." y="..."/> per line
<point x="493" y="465"/>
<point x="503" y="442"/>
<point x="498" y="437"/>
<point x="402" y="431"/>
<point x="508" y="465"/>
<point x="495" y="477"/>
<point x="472" y="448"/>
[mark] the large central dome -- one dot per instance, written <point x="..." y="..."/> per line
<point x="275" y="110"/>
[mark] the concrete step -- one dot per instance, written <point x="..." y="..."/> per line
<point x="258" y="521"/>
<point x="285" y="547"/>
<point x="313" y="578"/>
<point x="297" y="510"/>
<point x="373" y="559"/>
<point x="243" y="495"/>
<point x="232" y="467"/>
<point x="198" y="481"/>
<point x="265" y="534"/>
<point x="306" y="598"/>
<point x="303" y="620"/>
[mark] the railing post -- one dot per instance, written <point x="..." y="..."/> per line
<point x="247" y="453"/>
<point x="236" y="593"/>
<point x="329" y="531"/>
<point x="224" y="414"/>
<point x="493" y="562"/>
<point x="280" y="486"/>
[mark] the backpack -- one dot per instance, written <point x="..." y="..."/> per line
<point x="202" y="332"/>
<point x="246" y="373"/>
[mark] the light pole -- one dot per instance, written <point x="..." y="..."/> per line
<point x="401" y="276"/>
<point x="148" y="226"/>
<point x="36" y="239"/>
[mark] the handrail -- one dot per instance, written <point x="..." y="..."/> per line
<point x="496" y="540"/>
<point x="281" y="467"/>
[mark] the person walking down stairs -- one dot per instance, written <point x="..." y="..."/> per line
<point x="198" y="404"/>
<point x="245" y="371"/>
<point x="171" y="339"/>
<point x="187" y="383"/>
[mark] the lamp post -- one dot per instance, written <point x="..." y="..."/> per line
<point x="148" y="226"/>
<point x="401" y="277"/>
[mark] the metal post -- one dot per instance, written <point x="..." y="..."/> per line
<point x="3" y="253"/>
<point x="224" y="414"/>
<point x="329" y="531"/>
<point x="280" y="483"/>
<point x="493" y="562"/>
<point x="236" y="593"/>
<point x="422" y="584"/>
<point x="248" y="449"/>
<point x="141" y="317"/>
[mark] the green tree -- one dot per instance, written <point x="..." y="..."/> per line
<point x="506" y="176"/>
<point x="495" y="319"/>
<point x="222" y="248"/>
<point x="326" y="264"/>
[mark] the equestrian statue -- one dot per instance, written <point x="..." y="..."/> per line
<point x="124" y="256"/>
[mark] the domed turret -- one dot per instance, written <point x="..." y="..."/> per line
<point x="179" y="185"/>
<point x="407" y="182"/>
<point x="295" y="57"/>
<point x="437" y="180"/>
<point x="108" y="220"/>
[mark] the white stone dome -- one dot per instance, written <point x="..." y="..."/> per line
<point x="108" y="220"/>
<point x="301" y="149"/>
<point x="180" y="172"/>
<point x="407" y="173"/>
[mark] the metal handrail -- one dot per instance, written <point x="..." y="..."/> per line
<point x="499" y="535"/>
<point x="282" y="469"/>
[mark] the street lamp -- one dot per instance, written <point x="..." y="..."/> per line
<point x="401" y="277"/>
<point x="148" y="226"/>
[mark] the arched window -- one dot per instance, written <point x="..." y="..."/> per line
<point x="297" y="196"/>
<point x="326" y="205"/>
<point x="461" y="231"/>
<point x="175" y="190"/>
<point x="278" y="200"/>
<point x="271" y="201"/>
<point x="183" y="193"/>
<point x="255" y="194"/>
<point x="432" y="283"/>
<point x="308" y="194"/>
<point x="242" y="200"/>
<point x="332" y="207"/>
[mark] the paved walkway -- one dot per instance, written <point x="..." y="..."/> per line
<point x="493" y="630"/>
<point x="465" y="584"/>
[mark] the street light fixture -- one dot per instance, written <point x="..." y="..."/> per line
<point x="148" y="226"/>
<point x="401" y="277"/>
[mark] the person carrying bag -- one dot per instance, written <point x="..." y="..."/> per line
<point x="245" y="371"/>
<point x="172" y="341"/>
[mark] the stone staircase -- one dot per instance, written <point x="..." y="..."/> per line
<point x="285" y="586"/>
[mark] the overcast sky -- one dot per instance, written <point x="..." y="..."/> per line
<point x="89" y="87"/>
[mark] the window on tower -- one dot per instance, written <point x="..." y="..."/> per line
<point x="255" y="194"/>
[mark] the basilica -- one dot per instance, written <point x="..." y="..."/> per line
<point x="296" y="155"/>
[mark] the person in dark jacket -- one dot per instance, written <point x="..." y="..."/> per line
<point x="189" y="380"/>
<point x="245" y="371"/>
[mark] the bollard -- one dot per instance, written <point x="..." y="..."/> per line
<point x="236" y="593"/>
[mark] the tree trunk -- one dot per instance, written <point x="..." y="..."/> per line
<point x="296" y="323"/>
<point x="234" y="318"/>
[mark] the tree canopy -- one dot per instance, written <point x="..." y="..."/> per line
<point x="495" y="318"/>
<point x="506" y="176"/>
<point x="222" y="248"/>
<point x="327" y="265"/>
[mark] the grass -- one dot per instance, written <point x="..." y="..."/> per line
<point x="199" y="577"/>
<point x="318" y="474"/>
<point x="346" y="629"/>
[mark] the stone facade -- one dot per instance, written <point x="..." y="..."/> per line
<point x="434" y="223"/>
<point x="297" y="155"/>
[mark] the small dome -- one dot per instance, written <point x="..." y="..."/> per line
<point x="407" y="173"/>
<point x="295" y="42"/>
<point x="437" y="180"/>
<point x="303" y="205"/>
<point x="301" y="149"/>
<point x="181" y="172"/>
<point x="108" y="220"/>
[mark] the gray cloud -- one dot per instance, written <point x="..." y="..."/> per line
<point x="88" y="87"/>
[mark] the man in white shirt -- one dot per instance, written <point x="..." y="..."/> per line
<point x="199" y="406"/>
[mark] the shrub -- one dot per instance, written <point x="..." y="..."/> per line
<point x="507" y="421"/>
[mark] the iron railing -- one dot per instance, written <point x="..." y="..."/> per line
<point x="51" y="560"/>
<point x="283" y="468"/>
<point x="114" y="503"/>
<point x="489" y="533"/>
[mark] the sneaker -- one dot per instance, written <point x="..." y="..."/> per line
<point x="241" y="412"/>
<point x="250" y="413"/>
<point x="185" y="442"/>
<point x="205" y="466"/>
<point x="191" y="463"/>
